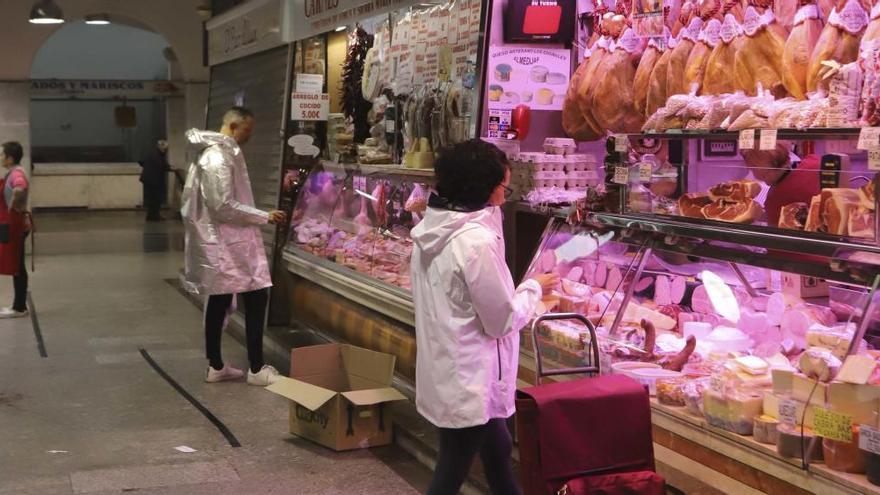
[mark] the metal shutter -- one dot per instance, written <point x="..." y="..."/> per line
<point x="261" y="81"/>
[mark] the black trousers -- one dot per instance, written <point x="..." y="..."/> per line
<point x="459" y="446"/>
<point x="20" y="281"/>
<point x="255" y="314"/>
<point x="153" y="198"/>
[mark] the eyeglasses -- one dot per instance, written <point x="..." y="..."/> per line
<point x="508" y="192"/>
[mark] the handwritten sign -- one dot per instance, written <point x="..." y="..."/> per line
<point x="869" y="439"/>
<point x="874" y="159"/>
<point x="621" y="143"/>
<point x="747" y="139"/>
<point x="832" y="425"/>
<point x="645" y="172"/>
<point x="307" y="106"/>
<point x="716" y="384"/>
<point x="768" y="139"/>
<point x="621" y="175"/>
<point x="869" y="138"/>
<point x="788" y="412"/>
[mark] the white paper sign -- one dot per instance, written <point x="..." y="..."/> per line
<point x="360" y="183"/>
<point x="747" y="139"/>
<point x="307" y="106"/>
<point x="869" y="138"/>
<point x="310" y="83"/>
<point x="645" y="172"/>
<point x="869" y="439"/>
<point x="788" y="412"/>
<point x="621" y="175"/>
<point x="716" y="383"/>
<point x="620" y="143"/>
<point x="768" y="139"/>
<point x="874" y="159"/>
<point x="536" y="77"/>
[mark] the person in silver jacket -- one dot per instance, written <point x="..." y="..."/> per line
<point x="224" y="253"/>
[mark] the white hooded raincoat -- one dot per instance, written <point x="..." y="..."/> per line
<point x="468" y="317"/>
<point x="224" y="246"/>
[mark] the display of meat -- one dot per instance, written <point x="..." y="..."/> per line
<point x="741" y="211"/>
<point x="612" y="97"/>
<point x="675" y="70"/>
<point x="794" y="216"/>
<point x="650" y="57"/>
<point x="758" y="63"/>
<point x="573" y="121"/>
<point x="861" y="223"/>
<point x="719" y="78"/>
<point x="583" y="91"/>
<point x="736" y="190"/>
<point x="785" y="13"/>
<point x="839" y="40"/>
<point x="692" y="204"/>
<point x="799" y="47"/>
<point x="872" y="31"/>
<point x="710" y="35"/>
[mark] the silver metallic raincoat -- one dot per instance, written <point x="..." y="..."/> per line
<point x="224" y="247"/>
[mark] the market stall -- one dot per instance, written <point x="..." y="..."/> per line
<point x="701" y="176"/>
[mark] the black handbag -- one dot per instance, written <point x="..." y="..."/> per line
<point x="4" y="233"/>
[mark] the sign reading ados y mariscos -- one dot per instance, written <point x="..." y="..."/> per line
<point x="103" y="88"/>
<point x="307" y="18"/>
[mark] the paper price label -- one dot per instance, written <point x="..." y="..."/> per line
<point x="768" y="139"/>
<point x="645" y="172"/>
<point x="359" y="183"/>
<point x="747" y="139"/>
<point x="621" y="175"/>
<point x="869" y="138"/>
<point x="716" y="384"/>
<point x="874" y="159"/>
<point x="621" y="143"/>
<point x="309" y="106"/>
<point x="832" y="425"/>
<point x="869" y="439"/>
<point x="788" y="412"/>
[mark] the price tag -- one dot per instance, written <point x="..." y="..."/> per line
<point x="716" y="384"/>
<point x="621" y="175"/>
<point x="621" y="143"/>
<point x="390" y="126"/>
<point x="645" y="172"/>
<point x="788" y="412"/>
<point x="359" y="183"/>
<point x="832" y="425"/>
<point x="309" y="106"/>
<point x="874" y="159"/>
<point x="747" y="139"/>
<point x="869" y="439"/>
<point x="768" y="139"/>
<point x="869" y="138"/>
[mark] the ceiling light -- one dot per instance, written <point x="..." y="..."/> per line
<point x="341" y="28"/>
<point x="98" y="19"/>
<point x="46" y="12"/>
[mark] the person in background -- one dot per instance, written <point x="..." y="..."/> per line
<point x="224" y="253"/>
<point x="790" y="179"/>
<point x="153" y="176"/>
<point x="15" y="225"/>
<point x="468" y="315"/>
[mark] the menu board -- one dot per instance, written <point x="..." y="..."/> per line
<point x="535" y="77"/>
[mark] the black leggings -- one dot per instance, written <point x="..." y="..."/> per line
<point x="459" y="446"/>
<point x="255" y="314"/>
<point x="20" y="282"/>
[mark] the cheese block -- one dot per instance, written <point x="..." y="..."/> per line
<point x="765" y="430"/>
<point x="790" y="443"/>
<point x="857" y="369"/>
<point x="733" y="413"/>
<point x="783" y="380"/>
<point x="752" y="365"/>
<point x="835" y="339"/>
<point x="861" y="402"/>
<point x="802" y="387"/>
<point x="803" y="413"/>
<point x="819" y="363"/>
<point x="844" y="456"/>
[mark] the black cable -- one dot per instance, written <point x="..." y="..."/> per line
<point x="35" y="323"/>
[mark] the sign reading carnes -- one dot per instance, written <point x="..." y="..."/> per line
<point x="307" y="18"/>
<point x="104" y="88"/>
<point x="250" y="28"/>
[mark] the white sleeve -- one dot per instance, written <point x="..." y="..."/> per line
<point x="219" y="198"/>
<point x="501" y="308"/>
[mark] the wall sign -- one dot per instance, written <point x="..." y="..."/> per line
<point x="307" y="18"/>
<point x="719" y="148"/>
<point x="247" y="29"/>
<point x="535" y="77"/>
<point x="103" y="88"/>
<point x="309" y="106"/>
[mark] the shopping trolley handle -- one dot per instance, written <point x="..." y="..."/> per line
<point x="594" y="346"/>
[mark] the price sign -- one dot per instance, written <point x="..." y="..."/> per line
<point x="716" y="384"/>
<point x="359" y="182"/>
<point x="747" y="139"/>
<point x="869" y="439"/>
<point x="874" y="159"/>
<point x="308" y="106"/>
<point x="768" y="139"/>
<point x="645" y="172"/>
<point x="832" y="425"/>
<point x="620" y="143"/>
<point x="621" y="175"/>
<point x="869" y="138"/>
<point x="788" y="412"/>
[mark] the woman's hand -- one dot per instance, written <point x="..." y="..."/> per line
<point x="548" y="281"/>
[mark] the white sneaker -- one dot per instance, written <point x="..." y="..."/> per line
<point x="226" y="374"/>
<point x="266" y="376"/>
<point x="11" y="313"/>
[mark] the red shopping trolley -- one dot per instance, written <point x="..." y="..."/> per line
<point x="585" y="436"/>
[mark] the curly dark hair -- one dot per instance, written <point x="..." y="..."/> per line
<point x="468" y="172"/>
<point x="13" y="149"/>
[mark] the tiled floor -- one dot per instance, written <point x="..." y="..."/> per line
<point x="94" y="417"/>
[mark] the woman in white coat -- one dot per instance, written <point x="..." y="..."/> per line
<point x="468" y="317"/>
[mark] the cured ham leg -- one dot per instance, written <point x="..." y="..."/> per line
<point x="839" y="40"/>
<point x="798" y="48"/>
<point x="759" y="61"/>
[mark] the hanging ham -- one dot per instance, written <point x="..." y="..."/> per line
<point x="798" y="48"/>
<point x="839" y="40"/>
<point x="573" y="121"/>
<point x="695" y="67"/>
<point x="759" y="61"/>
<point x="675" y="76"/>
<point x="718" y="76"/>
<point x="613" y="99"/>
<point x="656" y="48"/>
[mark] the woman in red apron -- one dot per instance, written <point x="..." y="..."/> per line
<point x="14" y="226"/>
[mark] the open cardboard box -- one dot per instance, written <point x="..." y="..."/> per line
<point x="339" y="395"/>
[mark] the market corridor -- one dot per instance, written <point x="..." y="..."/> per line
<point x="93" y="416"/>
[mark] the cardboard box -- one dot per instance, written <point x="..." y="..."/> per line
<point x="339" y="395"/>
<point x="803" y="286"/>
